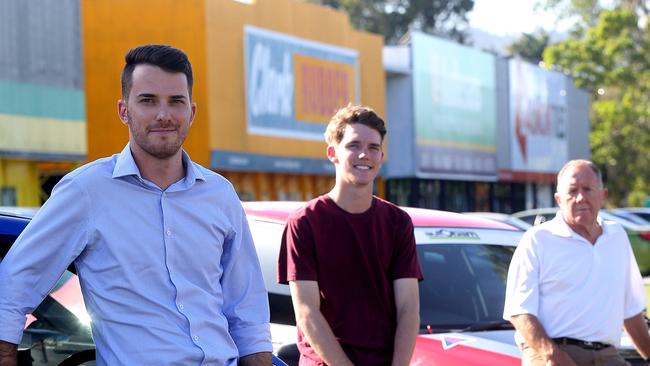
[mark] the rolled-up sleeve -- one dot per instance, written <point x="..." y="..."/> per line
<point x="522" y="289"/>
<point x="57" y="234"/>
<point x="245" y="298"/>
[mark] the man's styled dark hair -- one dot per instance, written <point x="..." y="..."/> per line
<point x="350" y="115"/>
<point x="166" y="57"/>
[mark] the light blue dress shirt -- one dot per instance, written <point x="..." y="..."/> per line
<point x="168" y="277"/>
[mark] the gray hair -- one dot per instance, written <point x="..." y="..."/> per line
<point x="577" y="163"/>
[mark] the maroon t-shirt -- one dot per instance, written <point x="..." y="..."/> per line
<point x="355" y="258"/>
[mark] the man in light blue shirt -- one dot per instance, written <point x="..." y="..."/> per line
<point x="162" y="247"/>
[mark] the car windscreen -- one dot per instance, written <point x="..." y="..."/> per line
<point x="464" y="284"/>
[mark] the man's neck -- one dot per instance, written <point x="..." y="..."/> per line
<point x="162" y="172"/>
<point x="591" y="232"/>
<point x="352" y="199"/>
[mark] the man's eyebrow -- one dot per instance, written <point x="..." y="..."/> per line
<point x="180" y="96"/>
<point x="146" y="95"/>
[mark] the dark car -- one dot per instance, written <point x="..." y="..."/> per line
<point x="58" y="331"/>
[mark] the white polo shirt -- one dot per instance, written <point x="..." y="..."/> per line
<point x="574" y="288"/>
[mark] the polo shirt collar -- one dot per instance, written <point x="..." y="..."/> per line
<point x="559" y="227"/>
<point x="126" y="166"/>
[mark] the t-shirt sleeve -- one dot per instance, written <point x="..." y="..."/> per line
<point x="297" y="258"/>
<point x="522" y="288"/>
<point x="405" y="258"/>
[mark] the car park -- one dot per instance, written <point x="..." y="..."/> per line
<point x="639" y="235"/>
<point x="464" y="261"/>
<point x="501" y="217"/>
<point x="639" y="215"/>
<point x="58" y="330"/>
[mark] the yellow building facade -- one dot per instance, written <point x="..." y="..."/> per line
<point x="268" y="76"/>
<point x="42" y="106"/>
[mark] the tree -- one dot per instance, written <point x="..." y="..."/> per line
<point x="612" y="60"/>
<point x="394" y="18"/>
<point x="530" y="46"/>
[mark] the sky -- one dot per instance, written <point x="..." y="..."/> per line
<point x="509" y="17"/>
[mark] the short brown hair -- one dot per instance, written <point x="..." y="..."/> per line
<point x="350" y="115"/>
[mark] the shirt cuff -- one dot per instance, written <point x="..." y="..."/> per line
<point x="11" y="327"/>
<point x="253" y="339"/>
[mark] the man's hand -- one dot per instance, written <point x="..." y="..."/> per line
<point x="637" y="328"/>
<point x="255" y="359"/>
<point x="306" y="304"/>
<point x="558" y="357"/>
<point x="537" y="339"/>
<point x="8" y="354"/>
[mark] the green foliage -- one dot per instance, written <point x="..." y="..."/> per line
<point x="394" y="18"/>
<point x="530" y="46"/>
<point x="612" y="61"/>
<point x="587" y="11"/>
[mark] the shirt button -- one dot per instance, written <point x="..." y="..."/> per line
<point x="196" y="338"/>
<point x="180" y="306"/>
<point x="169" y="232"/>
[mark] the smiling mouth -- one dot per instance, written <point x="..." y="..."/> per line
<point x="363" y="167"/>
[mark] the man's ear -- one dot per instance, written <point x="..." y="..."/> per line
<point x="193" y="107"/>
<point x="122" y="111"/>
<point x="557" y="198"/>
<point x="331" y="154"/>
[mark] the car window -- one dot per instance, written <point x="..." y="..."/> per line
<point x="463" y="284"/>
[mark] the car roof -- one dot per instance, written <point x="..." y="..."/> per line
<point x="280" y="211"/>
<point x="12" y="225"/>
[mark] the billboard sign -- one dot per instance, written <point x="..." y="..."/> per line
<point x="294" y="85"/>
<point x="454" y="110"/>
<point x="538" y="118"/>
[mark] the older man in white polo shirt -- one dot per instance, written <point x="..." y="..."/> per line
<point x="574" y="283"/>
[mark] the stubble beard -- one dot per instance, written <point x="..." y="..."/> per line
<point x="162" y="150"/>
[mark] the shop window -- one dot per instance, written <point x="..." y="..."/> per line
<point x="456" y="196"/>
<point x="429" y="193"/>
<point x="8" y="196"/>
<point x="398" y="191"/>
<point x="481" y="196"/>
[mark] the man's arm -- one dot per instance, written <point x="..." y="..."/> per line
<point x="637" y="329"/>
<point x="246" y="307"/>
<point x="407" y="303"/>
<point x="306" y="304"/>
<point x="8" y="354"/>
<point x="255" y="359"/>
<point x="537" y="339"/>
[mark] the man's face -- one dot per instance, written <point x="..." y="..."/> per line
<point x="358" y="156"/>
<point x="158" y="111"/>
<point x="580" y="195"/>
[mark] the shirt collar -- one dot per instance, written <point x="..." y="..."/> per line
<point x="561" y="228"/>
<point x="125" y="166"/>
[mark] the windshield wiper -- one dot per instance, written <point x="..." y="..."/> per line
<point x="493" y="325"/>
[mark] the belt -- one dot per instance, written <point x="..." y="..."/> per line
<point x="596" y="346"/>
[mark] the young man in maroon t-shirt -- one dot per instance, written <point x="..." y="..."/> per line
<point x="350" y="260"/>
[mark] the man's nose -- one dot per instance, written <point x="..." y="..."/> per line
<point x="163" y="113"/>
<point x="364" y="152"/>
